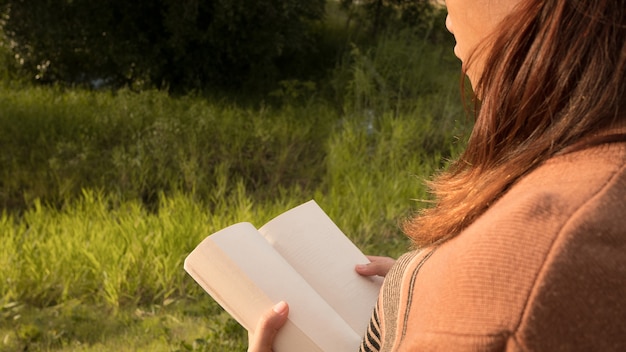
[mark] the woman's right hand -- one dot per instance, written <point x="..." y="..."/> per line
<point x="378" y="266"/>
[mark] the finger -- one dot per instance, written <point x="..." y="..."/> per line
<point x="365" y="269"/>
<point x="379" y="266"/>
<point x="267" y="328"/>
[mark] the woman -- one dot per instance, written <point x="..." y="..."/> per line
<point x="525" y="248"/>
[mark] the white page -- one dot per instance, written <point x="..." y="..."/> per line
<point x="247" y="277"/>
<point x="311" y="242"/>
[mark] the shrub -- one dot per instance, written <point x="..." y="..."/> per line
<point x="165" y="43"/>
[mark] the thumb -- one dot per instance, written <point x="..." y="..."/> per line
<point x="267" y="328"/>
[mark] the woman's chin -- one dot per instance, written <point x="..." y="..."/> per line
<point x="457" y="52"/>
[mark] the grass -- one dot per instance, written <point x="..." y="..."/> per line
<point x="183" y="325"/>
<point x="135" y="145"/>
<point x="104" y="193"/>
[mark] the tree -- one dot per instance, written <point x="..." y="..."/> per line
<point x="175" y="43"/>
<point x="381" y="14"/>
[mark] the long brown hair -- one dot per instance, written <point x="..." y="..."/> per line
<point x="555" y="75"/>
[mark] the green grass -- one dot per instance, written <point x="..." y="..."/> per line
<point x="99" y="252"/>
<point x="105" y="193"/>
<point x="135" y="145"/>
<point x="182" y="325"/>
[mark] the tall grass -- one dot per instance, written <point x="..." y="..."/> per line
<point x="104" y="193"/>
<point x="104" y="250"/>
<point x="135" y="145"/>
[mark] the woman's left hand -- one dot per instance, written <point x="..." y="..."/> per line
<point x="379" y="266"/>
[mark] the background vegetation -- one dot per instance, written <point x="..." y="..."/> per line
<point x="162" y="43"/>
<point x="104" y="191"/>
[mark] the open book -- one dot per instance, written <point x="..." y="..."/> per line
<point x="300" y="257"/>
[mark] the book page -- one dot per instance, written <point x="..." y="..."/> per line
<point x="317" y="249"/>
<point x="246" y="276"/>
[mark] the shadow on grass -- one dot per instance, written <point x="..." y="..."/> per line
<point x="178" y="325"/>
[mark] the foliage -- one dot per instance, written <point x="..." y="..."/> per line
<point x="115" y="255"/>
<point x="8" y="66"/>
<point x="191" y="44"/>
<point x="381" y="15"/>
<point x="99" y="251"/>
<point x="179" y="325"/>
<point x="394" y="74"/>
<point x="104" y="193"/>
<point x="136" y="145"/>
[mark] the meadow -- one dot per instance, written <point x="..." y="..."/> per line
<point x="105" y="192"/>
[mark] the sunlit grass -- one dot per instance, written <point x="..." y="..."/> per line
<point x="182" y="325"/>
<point x="105" y="193"/>
<point x="100" y="251"/>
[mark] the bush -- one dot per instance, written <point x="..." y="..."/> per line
<point x="379" y="16"/>
<point x="164" y="43"/>
<point x="394" y="74"/>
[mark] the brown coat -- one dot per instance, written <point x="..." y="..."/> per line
<point x="544" y="269"/>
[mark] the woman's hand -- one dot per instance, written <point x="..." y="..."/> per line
<point x="378" y="266"/>
<point x="270" y="323"/>
<point x="267" y="327"/>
